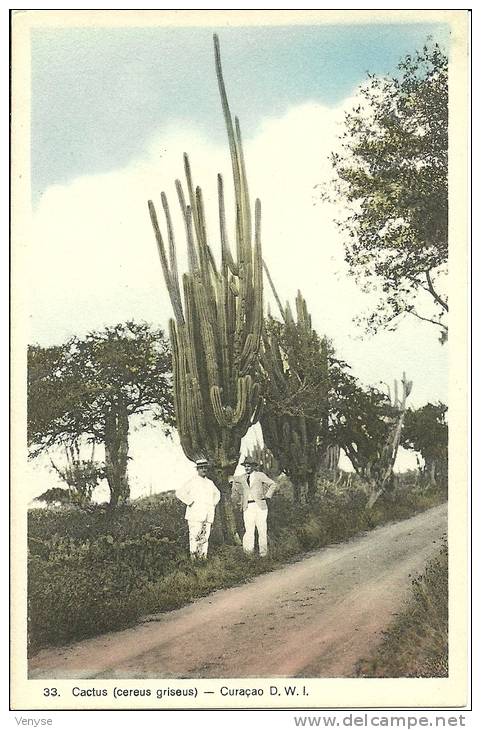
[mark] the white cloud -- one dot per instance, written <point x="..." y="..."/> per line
<point x="94" y="260"/>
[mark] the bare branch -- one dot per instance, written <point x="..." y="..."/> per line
<point x="276" y="295"/>
<point x="426" y="319"/>
<point x="434" y="293"/>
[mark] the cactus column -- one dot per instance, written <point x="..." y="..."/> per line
<point x="218" y="319"/>
<point x="295" y="418"/>
<point x="390" y="449"/>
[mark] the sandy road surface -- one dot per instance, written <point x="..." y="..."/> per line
<point x="313" y="618"/>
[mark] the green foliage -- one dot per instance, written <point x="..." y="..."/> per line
<point x="51" y="392"/>
<point x="426" y="431"/>
<point x="55" y="494"/>
<point x="96" y="571"/>
<point x="416" y="645"/>
<point x="361" y="421"/>
<point x="392" y="173"/>
<point x="88" y="570"/>
<point x="71" y="598"/>
<point x="126" y="523"/>
<point x="72" y="388"/>
<point x="369" y="426"/>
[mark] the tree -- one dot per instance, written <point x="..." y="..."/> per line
<point x="392" y="173"/>
<point x="360" y="423"/>
<point x="91" y="387"/>
<point x="50" y="395"/>
<point x="426" y="432"/>
<point x="368" y="425"/>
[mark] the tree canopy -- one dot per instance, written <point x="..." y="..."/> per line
<point x="90" y="387"/>
<point x="391" y="173"/>
<point x="426" y="431"/>
<point x="361" y="421"/>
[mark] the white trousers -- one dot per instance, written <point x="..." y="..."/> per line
<point x="254" y="517"/>
<point x="199" y="537"/>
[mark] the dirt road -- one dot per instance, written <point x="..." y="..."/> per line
<point x="313" y="618"/>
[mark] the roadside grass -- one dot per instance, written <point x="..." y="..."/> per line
<point x="95" y="571"/>
<point x="416" y="645"/>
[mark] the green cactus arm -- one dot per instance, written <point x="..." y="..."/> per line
<point x="274" y="291"/>
<point x="172" y="252"/>
<point x="248" y="354"/>
<point x="187" y="216"/>
<point x="257" y="321"/>
<point x="216" y="398"/>
<point x="236" y="173"/>
<point x="244" y="386"/>
<point x="207" y="334"/>
<point x="192" y="197"/>
<point x="222" y="289"/>
<point x="246" y="211"/>
<point x="191" y="336"/>
<point x="201" y="232"/>
<point x="227" y="258"/>
<point x="173" y="291"/>
<point x="258" y="411"/>
<point x="213" y="265"/>
<point x="180" y="401"/>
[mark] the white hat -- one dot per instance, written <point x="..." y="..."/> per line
<point x="201" y="462"/>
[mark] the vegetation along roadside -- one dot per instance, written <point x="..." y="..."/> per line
<point x="94" y="571"/>
<point x="416" y="645"/>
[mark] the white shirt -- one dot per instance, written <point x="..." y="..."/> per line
<point x="201" y="496"/>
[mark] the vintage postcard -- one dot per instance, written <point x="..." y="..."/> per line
<point x="240" y="329"/>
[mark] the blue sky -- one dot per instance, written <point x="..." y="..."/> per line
<point x="100" y="94"/>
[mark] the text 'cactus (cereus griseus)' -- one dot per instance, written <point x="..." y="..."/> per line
<point x="217" y="330"/>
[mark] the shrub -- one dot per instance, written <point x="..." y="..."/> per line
<point x="72" y="599"/>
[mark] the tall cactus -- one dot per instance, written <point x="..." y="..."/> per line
<point x="391" y="446"/>
<point x="295" y="418"/>
<point x="217" y="330"/>
<point x="265" y="458"/>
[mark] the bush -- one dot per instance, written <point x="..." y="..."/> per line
<point x="74" y="599"/>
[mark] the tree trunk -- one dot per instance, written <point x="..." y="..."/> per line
<point x="116" y="443"/>
<point x="298" y="489"/>
<point x="312" y="485"/>
<point x="375" y="492"/>
<point x="389" y="459"/>
<point x="225" y="521"/>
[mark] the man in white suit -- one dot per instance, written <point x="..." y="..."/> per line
<point x="253" y="490"/>
<point x="201" y="497"/>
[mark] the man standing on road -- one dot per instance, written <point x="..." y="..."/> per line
<point x="201" y="497"/>
<point x="253" y="489"/>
